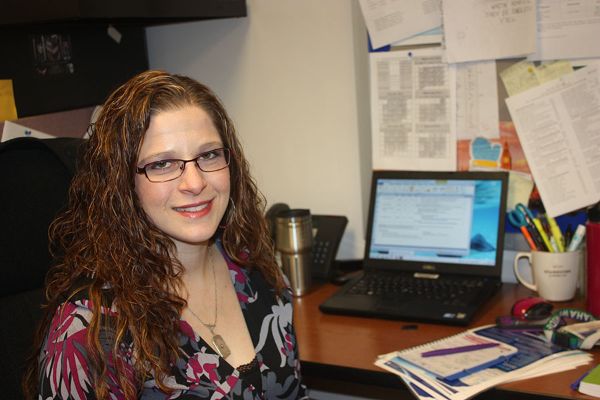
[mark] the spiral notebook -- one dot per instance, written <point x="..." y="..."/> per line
<point x="455" y="365"/>
<point x="460" y="376"/>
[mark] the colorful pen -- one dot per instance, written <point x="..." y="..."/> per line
<point x="460" y="349"/>
<point x="560" y="240"/>
<point x="568" y="235"/>
<point x="535" y="235"/>
<point x="577" y="238"/>
<point x="542" y="232"/>
<point x="527" y="236"/>
<point x="554" y="245"/>
<point x="531" y="227"/>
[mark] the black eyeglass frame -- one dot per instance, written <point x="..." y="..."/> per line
<point x="226" y="154"/>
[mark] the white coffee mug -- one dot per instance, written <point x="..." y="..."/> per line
<point x="554" y="275"/>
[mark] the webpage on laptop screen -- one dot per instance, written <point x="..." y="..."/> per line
<point x="448" y="221"/>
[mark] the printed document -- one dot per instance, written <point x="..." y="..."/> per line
<point x="433" y="36"/>
<point x="412" y="111"/>
<point x="393" y="20"/>
<point x="558" y="124"/>
<point x="476" y="100"/>
<point x="567" y="29"/>
<point x="488" y="29"/>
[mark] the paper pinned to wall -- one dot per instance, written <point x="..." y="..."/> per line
<point x="520" y="186"/>
<point x="519" y="77"/>
<point x="524" y="75"/>
<point x="12" y="130"/>
<point x="476" y="99"/>
<point x="488" y="29"/>
<point x="567" y="29"/>
<point x="412" y="111"/>
<point x="558" y="124"/>
<point x="389" y="21"/>
<point x="433" y="36"/>
<point x="8" y="109"/>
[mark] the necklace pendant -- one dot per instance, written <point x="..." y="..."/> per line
<point x="220" y="346"/>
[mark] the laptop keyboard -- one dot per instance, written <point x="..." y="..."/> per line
<point x="451" y="291"/>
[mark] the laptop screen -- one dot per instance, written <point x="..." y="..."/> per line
<point x="432" y="220"/>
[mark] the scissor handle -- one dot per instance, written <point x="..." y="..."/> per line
<point x="517" y="218"/>
<point x="523" y="209"/>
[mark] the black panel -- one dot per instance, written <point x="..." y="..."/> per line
<point x="142" y="11"/>
<point x="63" y="67"/>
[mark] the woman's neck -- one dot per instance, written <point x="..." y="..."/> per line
<point x="193" y="257"/>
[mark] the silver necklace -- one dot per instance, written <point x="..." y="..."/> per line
<point x="217" y="340"/>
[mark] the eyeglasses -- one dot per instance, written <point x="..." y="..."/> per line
<point x="168" y="170"/>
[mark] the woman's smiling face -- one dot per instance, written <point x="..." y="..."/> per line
<point x="189" y="208"/>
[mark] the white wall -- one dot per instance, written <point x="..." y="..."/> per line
<point x="294" y="77"/>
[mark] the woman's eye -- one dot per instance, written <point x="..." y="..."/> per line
<point x="210" y="155"/>
<point x="160" y="165"/>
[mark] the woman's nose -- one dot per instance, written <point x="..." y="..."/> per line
<point x="192" y="179"/>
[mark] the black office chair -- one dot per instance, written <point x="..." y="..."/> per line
<point x="35" y="175"/>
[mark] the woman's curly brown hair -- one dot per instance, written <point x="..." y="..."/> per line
<point x="104" y="238"/>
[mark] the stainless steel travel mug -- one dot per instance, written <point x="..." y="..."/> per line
<point x="293" y="239"/>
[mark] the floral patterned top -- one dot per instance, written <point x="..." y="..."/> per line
<point x="199" y="373"/>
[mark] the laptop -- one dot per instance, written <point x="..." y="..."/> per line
<point x="434" y="247"/>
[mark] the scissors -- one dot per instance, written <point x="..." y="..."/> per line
<point x="521" y="218"/>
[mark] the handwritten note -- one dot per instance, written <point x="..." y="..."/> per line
<point x="485" y="30"/>
<point x="524" y="75"/>
<point x="391" y="20"/>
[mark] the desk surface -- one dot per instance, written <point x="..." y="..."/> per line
<point x="354" y="342"/>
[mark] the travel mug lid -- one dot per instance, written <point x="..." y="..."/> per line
<point x="593" y="213"/>
<point x="293" y="216"/>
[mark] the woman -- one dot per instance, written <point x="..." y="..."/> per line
<point x="166" y="285"/>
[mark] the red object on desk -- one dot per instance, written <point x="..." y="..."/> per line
<point x="593" y="260"/>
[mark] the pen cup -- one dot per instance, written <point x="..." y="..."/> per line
<point x="555" y="275"/>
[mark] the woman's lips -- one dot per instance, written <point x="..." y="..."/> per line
<point x="196" y="210"/>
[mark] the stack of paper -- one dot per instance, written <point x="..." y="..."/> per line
<point x="455" y="374"/>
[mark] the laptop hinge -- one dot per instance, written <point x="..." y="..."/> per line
<point x="424" y="275"/>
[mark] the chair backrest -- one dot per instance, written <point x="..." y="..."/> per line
<point x="35" y="175"/>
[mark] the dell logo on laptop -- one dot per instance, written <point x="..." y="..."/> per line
<point x="428" y="267"/>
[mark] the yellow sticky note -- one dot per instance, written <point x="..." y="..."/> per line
<point x="8" y="109"/>
<point x="519" y="77"/>
<point x="553" y="70"/>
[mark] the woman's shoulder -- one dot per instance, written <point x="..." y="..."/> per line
<point x="73" y="315"/>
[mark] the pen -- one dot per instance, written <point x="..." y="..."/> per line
<point x="535" y="235"/>
<point x="568" y="235"/>
<point x="533" y="230"/>
<point x="577" y="238"/>
<point x="560" y="240"/>
<point x="461" y="349"/>
<point x="544" y="220"/>
<point x="554" y="244"/>
<point x="528" y="237"/>
<point x="542" y="232"/>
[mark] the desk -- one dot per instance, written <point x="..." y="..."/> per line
<point x="341" y="349"/>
